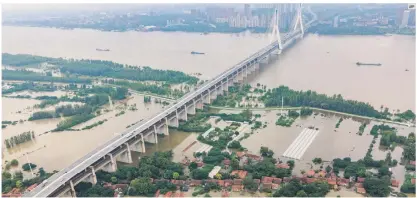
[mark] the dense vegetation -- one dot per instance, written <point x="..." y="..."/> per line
<point x="72" y="121"/>
<point x="33" y="76"/>
<point x="195" y="124"/>
<point x="15" y="180"/>
<point x="101" y="68"/>
<point x="28" y="86"/>
<point x="19" y="139"/>
<point x="296" y="189"/>
<point x="314" y="99"/>
<point x="157" y="166"/>
<point x="244" y="116"/>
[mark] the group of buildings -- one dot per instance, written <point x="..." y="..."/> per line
<point x="259" y="16"/>
<point x="405" y="18"/>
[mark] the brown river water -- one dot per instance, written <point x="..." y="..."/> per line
<point x="322" y="63"/>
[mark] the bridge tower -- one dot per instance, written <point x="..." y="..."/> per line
<point x="274" y="26"/>
<point x="299" y="19"/>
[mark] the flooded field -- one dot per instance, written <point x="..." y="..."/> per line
<point x="54" y="151"/>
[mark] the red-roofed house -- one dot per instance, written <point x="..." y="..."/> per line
<point x="276" y="180"/>
<point x="331" y="181"/>
<point x="286" y="179"/>
<point x="254" y="157"/>
<point x="361" y="191"/>
<point x="267" y="180"/>
<point x="413" y="163"/>
<point x="30" y="188"/>
<point x="310" y="173"/>
<point x="274" y="186"/>
<point x="266" y="186"/>
<point x="168" y="194"/>
<point x="237" y="182"/>
<point x="283" y="165"/>
<point x="361" y="179"/>
<point x="310" y="180"/>
<point x="200" y="164"/>
<point x="240" y="173"/>
<point x="413" y="181"/>
<point x="237" y="188"/>
<point x="240" y="154"/>
<point x="195" y="182"/>
<point x="157" y="193"/>
<point x="225" y="194"/>
<point x="228" y="182"/>
<point x="226" y="162"/>
<point x="395" y="183"/>
<point x="221" y="183"/>
<point x="359" y="185"/>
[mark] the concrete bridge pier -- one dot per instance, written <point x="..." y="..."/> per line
<point x="213" y="94"/>
<point x="226" y="86"/>
<point x="191" y="108"/>
<point x="125" y="156"/>
<point x="219" y="89"/>
<point x="111" y="166"/>
<point x="199" y="103"/>
<point x="72" y="189"/>
<point x="206" y="98"/>
<point x="139" y="145"/>
<point x="151" y="138"/>
<point x="174" y="122"/>
<point x="92" y="178"/>
<point x="182" y="115"/>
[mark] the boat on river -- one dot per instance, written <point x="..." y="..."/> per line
<point x="368" y="64"/>
<point x="198" y="53"/>
<point x="102" y="50"/>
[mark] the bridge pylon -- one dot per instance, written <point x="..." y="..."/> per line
<point x="299" y="19"/>
<point x="275" y="34"/>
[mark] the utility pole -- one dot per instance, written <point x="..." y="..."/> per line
<point x="282" y="104"/>
<point x="27" y="158"/>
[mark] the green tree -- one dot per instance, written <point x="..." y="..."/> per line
<point x="291" y="163"/>
<point x="234" y="164"/>
<point x="317" y="160"/>
<point x="113" y="180"/>
<point x="6" y="175"/>
<point x="377" y="187"/>
<point x="175" y="175"/>
<point x="143" y="186"/>
<point x="19" y="184"/>
<point x="14" y="162"/>
<point x="250" y="184"/>
<point x="301" y="193"/>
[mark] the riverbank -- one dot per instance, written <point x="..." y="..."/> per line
<point x="316" y="109"/>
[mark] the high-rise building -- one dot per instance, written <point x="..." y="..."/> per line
<point x="336" y="21"/>
<point x="248" y="13"/>
<point x="404" y="20"/>
<point x="412" y="18"/>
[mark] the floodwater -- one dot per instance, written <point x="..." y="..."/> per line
<point x="330" y="143"/>
<point x="55" y="151"/>
<point x="322" y="63"/>
<point x="327" y="64"/>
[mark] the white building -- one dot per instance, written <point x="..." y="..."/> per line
<point x="213" y="172"/>
<point x="404" y="20"/>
